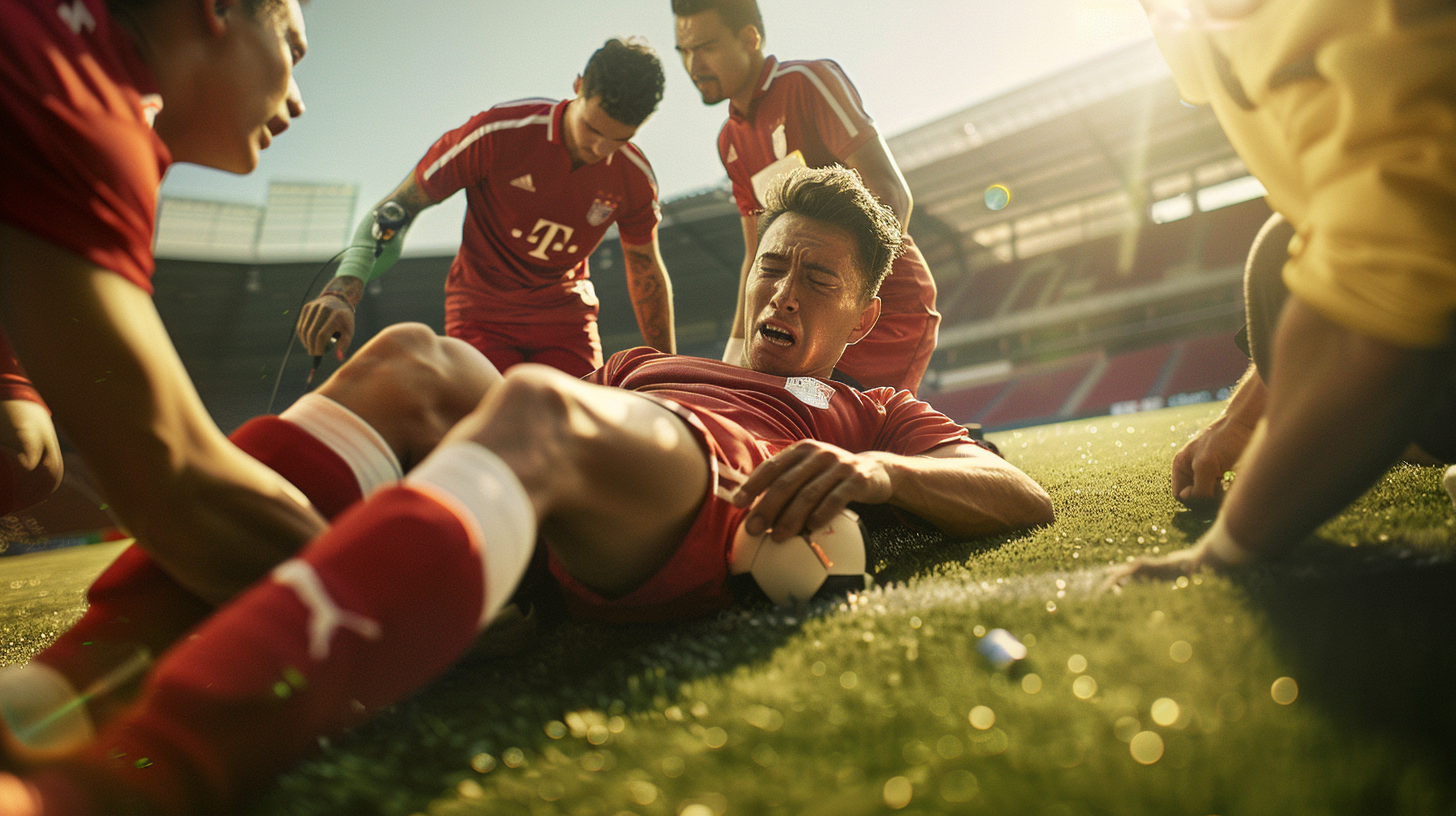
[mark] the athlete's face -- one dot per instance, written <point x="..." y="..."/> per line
<point x="722" y="63"/>
<point x="591" y="135"/>
<point x="245" y="94"/>
<point x="805" y="299"/>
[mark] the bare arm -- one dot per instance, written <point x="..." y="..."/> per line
<point x="651" y="291"/>
<point x="1199" y="467"/>
<point x="962" y="489"/>
<point x="332" y="312"/>
<point x="880" y="173"/>
<point x="750" y="251"/>
<point x="1305" y="465"/>
<point x="95" y="347"/>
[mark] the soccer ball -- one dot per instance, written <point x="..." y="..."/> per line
<point x="830" y="560"/>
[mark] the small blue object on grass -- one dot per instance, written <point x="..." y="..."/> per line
<point x="1001" y="648"/>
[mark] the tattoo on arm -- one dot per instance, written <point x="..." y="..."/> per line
<point x="350" y="287"/>
<point x="651" y="299"/>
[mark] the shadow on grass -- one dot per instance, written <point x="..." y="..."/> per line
<point x="1372" y="633"/>
<point x="418" y="750"/>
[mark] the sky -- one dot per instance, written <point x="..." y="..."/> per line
<point x="384" y="79"/>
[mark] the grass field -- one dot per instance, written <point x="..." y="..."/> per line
<point x="1322" y="684"/>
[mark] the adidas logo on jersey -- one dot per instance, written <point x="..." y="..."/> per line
<point x="77" y="16"/>
<point x="525" y="183"/>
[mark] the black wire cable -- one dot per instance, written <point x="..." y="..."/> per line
<point x="293" y="329"/>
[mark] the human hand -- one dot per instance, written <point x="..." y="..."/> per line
<point x="326" y="316"/>
<point x="1199" y="468"/>
<point x="1158" y="568"/>
<point x="805" y="485"/>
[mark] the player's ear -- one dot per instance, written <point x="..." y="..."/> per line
<point x="751" y="37"/>
<point x="215" y="13"/>
<point x="868" y="317"/>
<point x="576" y="86"/>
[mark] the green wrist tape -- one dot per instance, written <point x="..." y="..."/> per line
<point x="359" y="260"/>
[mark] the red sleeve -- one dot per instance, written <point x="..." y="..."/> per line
<point x="14" y="385"/>
<point x="638" y="224"/>
<point x="831" y="102"/>
<point x="458" y="159"/>
<point x="911" y="426"/>
<point x="743" y="194"/>
<point x="82" y="164"/>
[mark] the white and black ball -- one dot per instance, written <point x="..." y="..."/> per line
<point x="831" y="560"/>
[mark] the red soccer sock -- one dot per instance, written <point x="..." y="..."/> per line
<point x="300" y="457"/>
<point x="368" y="613"/>
<point x="135" y="605"/>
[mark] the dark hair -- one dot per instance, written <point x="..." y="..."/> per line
<point x="627" y="76"/>
<point x="836" y="196"/>
<point x="734" y="13"/>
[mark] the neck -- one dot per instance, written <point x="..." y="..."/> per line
<point x="743" y="97"/>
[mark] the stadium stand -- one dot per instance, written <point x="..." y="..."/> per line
<point x="1205" y="365"/>
<point x="1112" y="277"/>
<point x="1127" y="377"/>
<point x="1036" y="397"/>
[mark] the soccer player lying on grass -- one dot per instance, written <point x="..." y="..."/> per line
<point x="81" y="82"/>
<point x="1345" y="112"/>
<point x="638" y="491"/>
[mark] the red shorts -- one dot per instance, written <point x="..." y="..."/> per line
<point x="575" y="348"/>
<point x="897" y="351"/>
<point x="298" y="456"/>
<point x="694" y="582"/>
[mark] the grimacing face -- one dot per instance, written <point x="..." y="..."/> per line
<point x="719" y="61"/>
<point x="804" y="301"/>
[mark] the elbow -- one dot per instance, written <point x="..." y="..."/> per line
<point x="1031" y="507"/>
<point x="1038" y="511"/>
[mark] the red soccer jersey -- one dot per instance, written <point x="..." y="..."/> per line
<point x="82" y="163"/>
<point x="807" y="113"/>
<point x="806" y="107"/>
<point x="779" y="411"/>
<point x="532" y="219"/>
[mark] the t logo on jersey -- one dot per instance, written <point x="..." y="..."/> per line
<point x="544" y="235"/>
<point x="77" y="16"/>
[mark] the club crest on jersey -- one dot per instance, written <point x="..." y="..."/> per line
<point x="809" y="391"/>
<point x="601" y="210"/>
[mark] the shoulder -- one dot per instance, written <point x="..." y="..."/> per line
<point x="516" y="114"/>
<point x="639" y="170"/>
<point x="823" y="75"/>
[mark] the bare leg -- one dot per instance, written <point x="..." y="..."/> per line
<point x="615" y="477"/>
<point x="412" y="386"/>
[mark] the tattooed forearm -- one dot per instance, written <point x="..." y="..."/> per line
<point x="651" y="293"/>
<point x="350" y="287"/>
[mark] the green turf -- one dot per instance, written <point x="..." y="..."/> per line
<point x="867" y="707"/>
